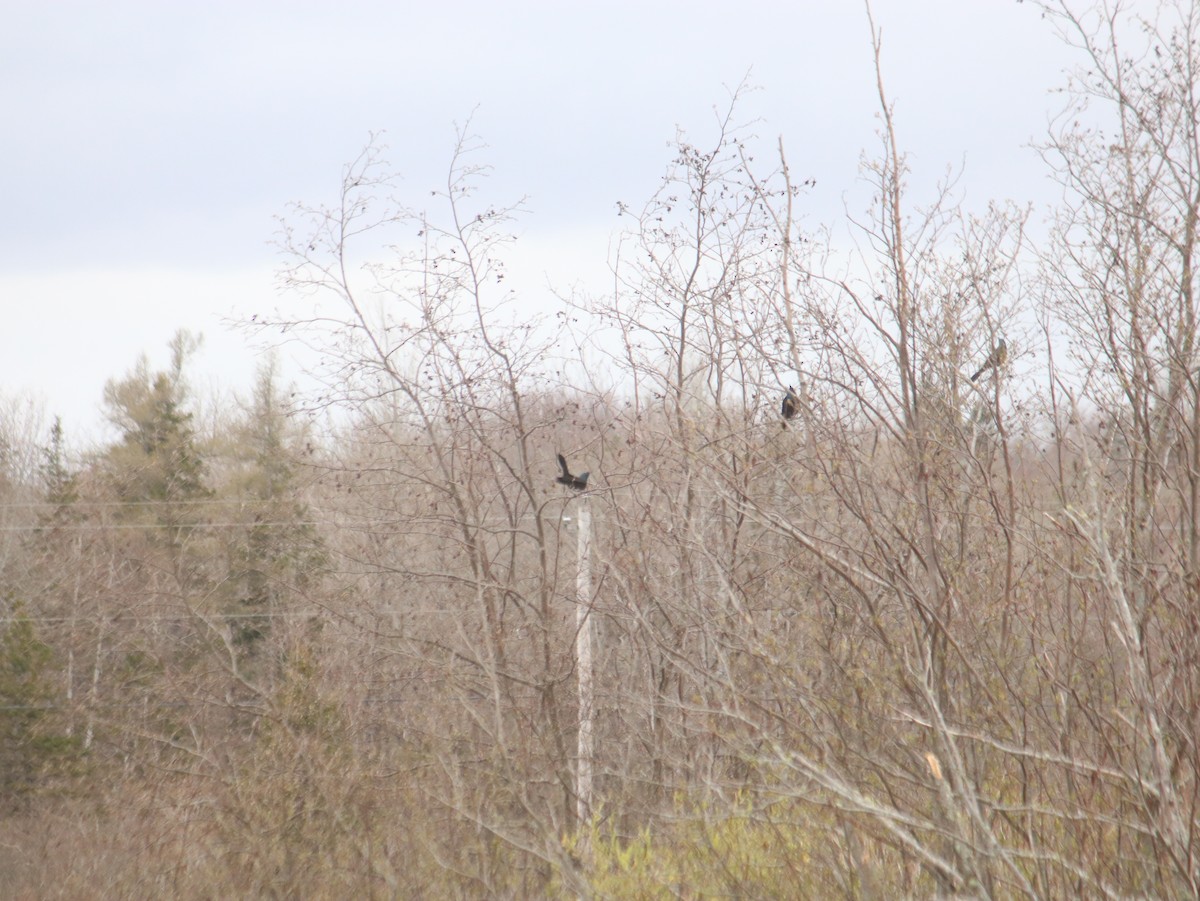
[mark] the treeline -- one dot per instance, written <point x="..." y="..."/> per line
<point x="929" y="635"/>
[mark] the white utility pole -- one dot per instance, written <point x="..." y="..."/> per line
<point x="583" y="660"/>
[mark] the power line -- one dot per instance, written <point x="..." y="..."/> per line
<point x="125" y="617"/>
<point x="106" y="527"/>
<point x="162" y="617"/>
<point x="199" y="502"/>
<point x="82" y="706"/>
<point x="362" y="525"/>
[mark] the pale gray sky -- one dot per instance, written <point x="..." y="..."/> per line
<point x="146" y="147"/>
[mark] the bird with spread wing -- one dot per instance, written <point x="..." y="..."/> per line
<point x="575" y="482"/>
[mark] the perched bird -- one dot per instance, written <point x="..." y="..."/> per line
<point x="994" y="361"/>
<point x="578" y="483"/>
<point x="790" y="406"/>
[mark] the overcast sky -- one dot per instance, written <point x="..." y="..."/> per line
<point x="147" y="147"/>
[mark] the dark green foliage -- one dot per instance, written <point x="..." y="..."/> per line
<point x="277" y="552"/>
<point x="34" y="751"/>
<point x="156" y="470"/>
<point x="156" y="458"/>
<point x="59" y="481"/>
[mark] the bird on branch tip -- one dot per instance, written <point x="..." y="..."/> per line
<point x="575" y="482"/>
<point x="994" y="361"/>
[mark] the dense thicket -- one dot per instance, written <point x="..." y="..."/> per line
<point x="931" y="635"/>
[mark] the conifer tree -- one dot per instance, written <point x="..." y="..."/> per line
<point x="156" y="469"/>
<point x="277" y="552"/>
<point x="32" y="749"/>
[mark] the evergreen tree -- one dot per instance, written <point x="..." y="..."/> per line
<point x="278" y="551"/>
<point x="156" y="468"/>
<point x="60" y="483"/>
<point x="32" y="751"/>
<point x="158" y="446"/>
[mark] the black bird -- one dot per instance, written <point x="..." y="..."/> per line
<point x="578" y="483"/>
<point x="790" y="406"/>
<point x="994" y="361"/>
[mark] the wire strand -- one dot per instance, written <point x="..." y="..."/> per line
<point x="106" y="527"/>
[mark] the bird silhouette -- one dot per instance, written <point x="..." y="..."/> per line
<point x="576" y="482"/>
<point x="790" y="406"/>
<point x="994" y="361"/>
